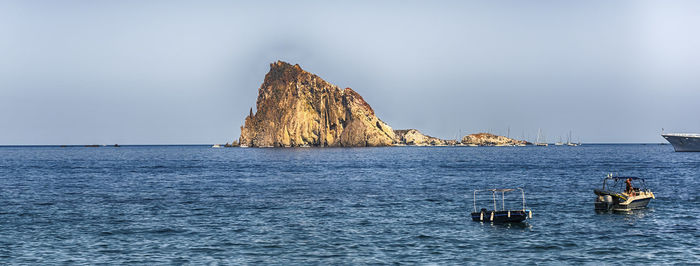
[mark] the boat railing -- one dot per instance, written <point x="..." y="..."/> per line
<point x="688" y="135"/>
<point x="503" y="191"/>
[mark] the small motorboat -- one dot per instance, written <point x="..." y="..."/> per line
<point x="503" y="215"/>
<point x="612" y="197"/>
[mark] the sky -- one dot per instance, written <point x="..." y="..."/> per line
<point x="187" y="72"/>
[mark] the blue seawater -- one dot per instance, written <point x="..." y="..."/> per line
<point x="195" y="204"/>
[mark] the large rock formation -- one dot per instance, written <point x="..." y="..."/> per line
<point x="296" y="108"/>
<point x="415" y="137"/>
<point x="487" y="139"/>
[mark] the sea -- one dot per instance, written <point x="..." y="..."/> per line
<point x="390" y="205"/>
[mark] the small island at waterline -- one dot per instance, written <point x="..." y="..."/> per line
<point x="298" y="109"/>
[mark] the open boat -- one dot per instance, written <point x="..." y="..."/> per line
<point x="612" y="197"/>
<point x="503" y="215"/>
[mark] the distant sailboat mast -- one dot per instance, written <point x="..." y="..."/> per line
<point x="559" y="143"/>
<point x="568" y="141"/>
<point x="538" y="143"/>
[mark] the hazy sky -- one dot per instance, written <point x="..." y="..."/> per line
<point x="156" y="72"/>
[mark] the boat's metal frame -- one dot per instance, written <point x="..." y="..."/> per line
<point x="503" y="215"/>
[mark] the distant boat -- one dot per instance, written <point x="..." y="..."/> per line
<point x="683" y="141"/>
<point x="216" y="146"/>
<point x="559" y="143"/>
<point x="568" y="141"/>
<point x="537" y="142"/>
<point x="523" y="143"/>
<point x="503" y="215"/>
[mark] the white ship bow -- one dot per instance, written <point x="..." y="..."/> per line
<point x="683" y="141"/>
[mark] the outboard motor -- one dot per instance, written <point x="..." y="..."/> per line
<point x="603" y="203"/>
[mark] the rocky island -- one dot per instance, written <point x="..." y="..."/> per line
<point x="298" y="109"/>
<point x="488" y="139"/>
<point x="416" y="138"/>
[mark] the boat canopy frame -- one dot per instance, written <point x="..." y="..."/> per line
<point x="617" y="184"/>
<point x="503" y="192"/>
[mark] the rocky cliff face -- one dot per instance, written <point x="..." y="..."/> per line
<point x="487" y="139"/>
<point x="296" y="108"/>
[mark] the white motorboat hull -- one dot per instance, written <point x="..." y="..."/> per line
<point x="634" y="205"/>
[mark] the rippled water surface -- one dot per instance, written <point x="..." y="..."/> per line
<point x="195" y="204"/>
